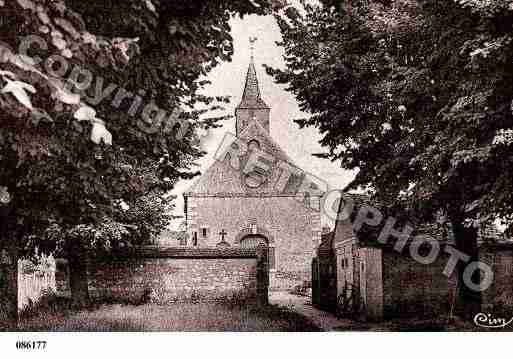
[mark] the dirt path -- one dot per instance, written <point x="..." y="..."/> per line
<point x="328" y="322"/>
<point x="302" y="305"/>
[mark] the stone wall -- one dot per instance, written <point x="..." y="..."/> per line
<point x="414" y="289"/>
<point x="292" y="228"/>
<point x="371" y="282"/>
<point x="164" y="275"/>
<point x="498" y="298"/>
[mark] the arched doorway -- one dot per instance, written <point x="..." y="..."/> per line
<point x="258" y="240"/>
<point x="253" y="241"/>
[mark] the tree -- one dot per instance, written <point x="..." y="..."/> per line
<point x="85" y="170"/>
<point x="416" y="95"/>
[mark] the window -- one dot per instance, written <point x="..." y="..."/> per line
<point x="204" y="232"/>
<point x="344" y="263"/>
<point x="183" y="239"/>
<point x="195" y="239"/>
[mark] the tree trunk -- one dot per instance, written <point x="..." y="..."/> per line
<point x="77" y="264"/>
<point x="468" y="301"/>
<point x="8" y="270"/>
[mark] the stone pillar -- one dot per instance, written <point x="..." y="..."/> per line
<point x="8" y="270"/>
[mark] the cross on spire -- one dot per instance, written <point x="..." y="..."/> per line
<point x="252" y="40"/>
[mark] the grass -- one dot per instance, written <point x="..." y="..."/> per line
<point x="58" y="316"/>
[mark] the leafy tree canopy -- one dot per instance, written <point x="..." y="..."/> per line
<point x="415" y="94"/>
<point x="80" y="161"/>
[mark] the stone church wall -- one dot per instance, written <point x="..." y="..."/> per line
<point x="292" y="228"/>
<point x="178" y="274"/>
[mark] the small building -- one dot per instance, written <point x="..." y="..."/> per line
<point x="377" y="281"/>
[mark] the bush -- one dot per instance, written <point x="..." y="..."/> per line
<point x="48" y="302"/>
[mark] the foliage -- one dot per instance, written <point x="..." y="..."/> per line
<point x="77" y="168"/>
<point x="415" y="94"/>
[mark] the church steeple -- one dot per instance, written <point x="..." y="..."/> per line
<point x="251" y="96"/>
<point x="251" y="107"/>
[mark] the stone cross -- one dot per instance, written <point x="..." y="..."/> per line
<point x="222" y="234"/>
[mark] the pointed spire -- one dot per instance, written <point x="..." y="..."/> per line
<point x="251" y="98"/>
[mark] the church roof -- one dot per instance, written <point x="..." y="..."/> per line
<point x="251" y="96"/>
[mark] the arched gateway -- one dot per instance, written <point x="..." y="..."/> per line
<point x="259" y="240"/>
<point x="253" y="241"/>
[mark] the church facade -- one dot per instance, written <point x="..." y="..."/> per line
<point x="254" y="195"/>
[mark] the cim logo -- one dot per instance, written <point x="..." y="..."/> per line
<point x="489" y="321"/>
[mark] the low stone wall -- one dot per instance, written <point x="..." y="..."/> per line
<point x="498" y="298"/>
<point x="415" y="289"/>
<point x="164" y="275"/>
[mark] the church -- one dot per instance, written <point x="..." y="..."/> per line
<point x="254" y="195"/>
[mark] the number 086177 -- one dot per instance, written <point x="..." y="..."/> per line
<point x="31" y="344"/>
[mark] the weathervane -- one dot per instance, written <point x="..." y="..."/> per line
<point x="252" y="40"/>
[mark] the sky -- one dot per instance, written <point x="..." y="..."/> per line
<point x="228" y="79"/>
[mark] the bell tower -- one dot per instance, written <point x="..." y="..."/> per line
<point x="251" y="108"/>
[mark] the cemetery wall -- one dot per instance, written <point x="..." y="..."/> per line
<point x="163" y="275"/>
